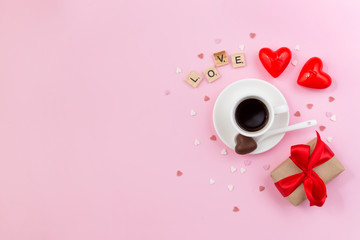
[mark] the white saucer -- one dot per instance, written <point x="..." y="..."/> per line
<point x="229" y="96"/>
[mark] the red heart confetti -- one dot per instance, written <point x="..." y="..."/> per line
<point x="331" y="99"/>
<point x="217" y="40"/>
<point x="213" y="138"/>
<point x="322" y="128"/>
<point x="206" y="98"/>
<point x="236" y="209"/>
<point x="261" y="188"/>
<point x="201" y="55"/>
<point x="275" y="62"/>
<point x="252" y="35"/>
<point x="266" y="167"/>
<point x="297" y="114"/>
<point x="179" y="173"/>
<point x="309" y="106"/>
<point x="312" y="75"/>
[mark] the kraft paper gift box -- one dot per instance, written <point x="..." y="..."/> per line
<point x="326" y="171"/>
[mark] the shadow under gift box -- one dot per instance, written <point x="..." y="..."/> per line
<point x="326" y="171"/>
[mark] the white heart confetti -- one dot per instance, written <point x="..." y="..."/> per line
<point x="178" y="70"/>
<point x="230" y="187"/>
<point x="294" y="62"/>
<point x="192" y="113"/>
<point x="242" y="170"/>
<point x="212" y="181"/>
<point x="197" y="142"/>
<point x="297" y="47"/>
<point x="333" y="118"/>
<point x="241" y="46"/>
<point x="329" y="139"/>
<point x="223" y="152"/>
<point x="232" y="169"/>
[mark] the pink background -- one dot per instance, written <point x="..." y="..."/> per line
<point x="90" y="144"/>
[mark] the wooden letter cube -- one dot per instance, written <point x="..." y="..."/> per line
<point x="238" y="60"/>
<point x="211" y="74"/>
<point x="221" y="58"/>
<point x="193" y="79"/>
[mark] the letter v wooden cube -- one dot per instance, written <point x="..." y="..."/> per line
<point x="220" y="58"/>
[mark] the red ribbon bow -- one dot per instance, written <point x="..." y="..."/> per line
<point x="315" y="188"/>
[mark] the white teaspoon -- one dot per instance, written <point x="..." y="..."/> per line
<point x="293" y="127"/>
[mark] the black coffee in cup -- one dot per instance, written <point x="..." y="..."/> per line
<point x="251" y="115"/>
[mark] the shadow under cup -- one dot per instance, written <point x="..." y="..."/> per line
<point x="251" y="114"/>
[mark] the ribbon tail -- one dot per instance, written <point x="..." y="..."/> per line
<point x="315" y="190"/>
<point x="287" y="185"/>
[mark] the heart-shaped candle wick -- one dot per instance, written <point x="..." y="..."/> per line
<point x="244" y="144"/>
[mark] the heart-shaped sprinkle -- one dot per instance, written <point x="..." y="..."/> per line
<point x="328" y="114"/>
<point x="322" y="128"/>
<point x="294" y="62"/>
<point x="217" y="40"/>
<point x="230" y="187"/>
<point x="206" y="98"/>
<point x="247" y="162"/>
<point x="329" y="139"/>
<point x="333" y="118"/>
<point x="192" y="113"/>
<point x="297" y="114"/>
<point x="297" y="47"/>
<point x="232" y="169"/>
<point x="167" y="92"/>
<point x="242" y="170"/>
<point x="241" y="46"/>
<point x="236" y="209"/>
<point x="213" y="138"/>
<point x="266" y="167"/>
<point x="331" y="99"/>
<point x="261" y="188"/>
<point x="252" y="35"/>
<point x="224" y="152"/>
<point x="178" y="70"/>
<point x="179" y="173"/>
<point x="244" y="144"/>
<point x="212" y="181"/>
<point x="197" y="142"/>
<point x="309" y="106"/>
<point x="201" y="55"/>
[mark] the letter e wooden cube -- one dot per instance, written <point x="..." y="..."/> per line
<point x="238" y="60"/>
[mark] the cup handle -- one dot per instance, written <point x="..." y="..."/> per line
<point x="281" y="109"/>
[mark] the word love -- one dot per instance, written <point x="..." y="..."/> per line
<point x="211" y="73"/>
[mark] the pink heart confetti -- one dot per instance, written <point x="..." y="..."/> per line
<point x="331" y="99"/>
<point x="179" y="173"/>
<point x="201" y="55"/>
<point x="206" y="98"/>
<point x="309" y="106"/>
<point x="297" y="114"/>
<point x="252" y="35"/>
<point x="261" y="188"/>
<point x="236" y="209"/>
<point x="167" y="92"/>
<point x="328" y="114"/>
<point x="217" y="40"/>
<point x="266" y="167"/>
<point x="247" y="162"/>
<point x="213" y="138"/>
<point x="322" y="128"/>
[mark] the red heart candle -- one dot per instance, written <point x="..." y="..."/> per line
<point x="312" y="76"/>
<point x="275" y="62"/>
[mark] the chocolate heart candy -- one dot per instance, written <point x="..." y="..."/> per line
<point x="244" y="145"/>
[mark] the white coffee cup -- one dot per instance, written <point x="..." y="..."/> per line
<point x="272" y="111"/>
